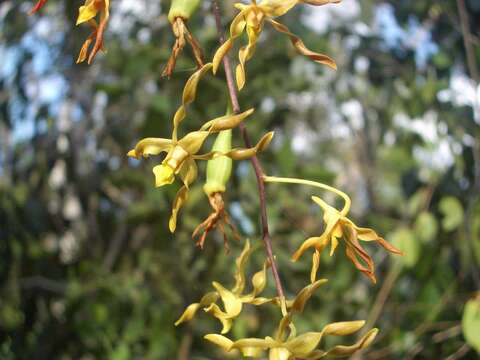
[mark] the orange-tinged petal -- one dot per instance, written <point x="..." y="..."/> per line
<point x="301" y="48"/>
<point x="38" y="6"/>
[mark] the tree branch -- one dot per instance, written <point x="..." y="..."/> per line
<point x="232" y="91"/>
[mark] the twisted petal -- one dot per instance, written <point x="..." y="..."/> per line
<point x="219" y="340"/>
<point x="304" y="344"/>
<point x="301" y="48"/>
<point x="259" y="281"/>
<point x="231" y="302"/>
<point x="191" y="310"/>
<point x="240" y="268"/>
<point x="315" y="265"/>
<point x="344" y="351"/>
<point x="304" y="295"/>
<point x="227" y="121"/>
<point x="189" y="94"/>
<point x="220" y="315"/>
<point x="236" y="29"/>
<point x="193" y="141"/>
<point x="239" y="153"/>
<point x="150" y="146"/>
<point x="188" y="172"/>
<point x="246" y="53"/>
<point x="180" y="200"/>
<point x="274" y="8"/>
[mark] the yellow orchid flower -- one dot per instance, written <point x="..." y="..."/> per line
<point x="182" y="154"/>
<point x="181" y="157"/>
<point x="339" y="227"/>
<point x="251" y="18"/>
<point x="87" y="14"/>
<point x="293" y="346"/>
<point x="232" y="299"/>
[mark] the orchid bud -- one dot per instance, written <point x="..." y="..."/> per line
<point x="219" y="169"/>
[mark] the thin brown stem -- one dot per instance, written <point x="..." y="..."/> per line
<point x="232" y="91"/>
<point x="474" y="74"/>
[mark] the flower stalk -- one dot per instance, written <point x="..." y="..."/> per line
<point x="232" y="91"/>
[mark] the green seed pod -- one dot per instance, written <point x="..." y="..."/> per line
<point x="220" y="168"/>
<point x="182" y="9"/>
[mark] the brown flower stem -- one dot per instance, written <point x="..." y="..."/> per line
<point x="232" y="90"/>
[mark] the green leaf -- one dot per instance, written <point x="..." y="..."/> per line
<point x="426" y="226"/>
<point x="452" y="210"/>
<point x="121" y="352"/>
<point x="471" y="323"/>
<point x="404" y="239"/>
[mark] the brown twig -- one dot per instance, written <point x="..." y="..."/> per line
<point x="232" y="91"/>
<point x="474" y="73"/>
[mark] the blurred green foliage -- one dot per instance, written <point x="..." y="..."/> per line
<point x="89" y="269"/>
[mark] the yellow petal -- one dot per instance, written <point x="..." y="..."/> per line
<point x="316" y="241"/>
<point x="252" y="347"/>
<point x="304" y="344"/>
<point x="227" y="121"/>
<point x="279" y="353"/>
<point x="343" y="328"/>
<point x="180" y="199"/>
<point x="188" y="172"/>
<point x="232" y="304"/>
<point x="226" y="321"/>
<point x="344" y="351"/>
<point x="189" y="94"/>
<point x="276" y="8"/>
<point x="259" y="280"/>
<point x="87" y="11"/>
<point x="190" y="89"/>
<point x="164" y="175"/>
<point x="236" y="29"/>
<point x="150" y="146"/>
<point x="188" y="314"/>
<point x="219" y="340"/>
<point x="242" y="154"/>
<point x="193" y="141"/>
<point x="315" y="265"/>
<point x="305" y="294"/>
<point x="220" y="54"/>
<point x="334" y="244"/>
<point x="240" y="268"/>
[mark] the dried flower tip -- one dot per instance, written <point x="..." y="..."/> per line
<point x="87" y="14"/>
<point x="218" y="217"/>
<point x="182" y="36"/>
<point x="38" y="6"/>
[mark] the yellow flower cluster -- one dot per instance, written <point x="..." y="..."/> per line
<point x="182" y="153"/>
<point x="251" y="19"/>
<point x="285" y="344"/>
<point x="338" y="228"/>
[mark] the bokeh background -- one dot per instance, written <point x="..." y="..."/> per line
<point x="88" y="269"/>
